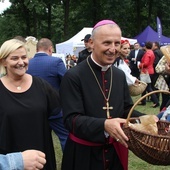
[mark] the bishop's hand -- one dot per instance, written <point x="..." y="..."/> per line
<point x="113" y="128"/>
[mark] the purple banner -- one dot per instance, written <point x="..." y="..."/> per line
<point x="159" y="29"/>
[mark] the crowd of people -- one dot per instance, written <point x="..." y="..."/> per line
<point x="85" y="102"/>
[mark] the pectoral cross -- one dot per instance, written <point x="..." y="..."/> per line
<point x="107" y="108"/>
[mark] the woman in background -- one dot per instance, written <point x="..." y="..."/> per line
<point x="145" y="66"/>
<point x="122" y="63"/>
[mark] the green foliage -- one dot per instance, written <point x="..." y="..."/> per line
<point x="59" y="20"/>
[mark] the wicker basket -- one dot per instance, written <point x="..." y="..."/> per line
<point x="154" y="149"/>
<point x="136" y="90"/>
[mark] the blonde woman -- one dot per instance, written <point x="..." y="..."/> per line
<point x="26" y="103"/>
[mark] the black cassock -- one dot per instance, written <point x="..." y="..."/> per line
<point x="84" y="116"/>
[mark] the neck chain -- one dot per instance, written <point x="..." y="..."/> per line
<point x="17" y="87"/>
<point x="107" y="107"/>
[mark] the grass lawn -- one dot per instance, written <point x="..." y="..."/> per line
<point x="135" y="163"/>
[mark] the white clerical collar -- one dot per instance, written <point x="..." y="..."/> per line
<point x="103" y="68"/>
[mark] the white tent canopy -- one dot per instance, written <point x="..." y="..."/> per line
<point x="74" y="44"/>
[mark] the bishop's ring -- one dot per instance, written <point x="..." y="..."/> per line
<point x="117" y="140"/>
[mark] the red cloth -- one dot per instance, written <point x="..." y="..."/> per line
<point x="163" y="109"/>
<point x="122" y="152"/>
<point x="120" y="149"/>
<point x="147" y="61"/>
<point x="126" y="61"/>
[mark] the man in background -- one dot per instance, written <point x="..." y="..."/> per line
<point x="51" y="69"/>
<point x="87" y="51"/>
<point x="135" y="57"/>
<point x="157" y="52"/>
<point x="158" y="55"/>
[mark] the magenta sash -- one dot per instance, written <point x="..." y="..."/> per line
<point x="120" y="149"/>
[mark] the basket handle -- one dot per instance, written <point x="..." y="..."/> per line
<point x="148" y="94"/>
<point x="140" y="82"/>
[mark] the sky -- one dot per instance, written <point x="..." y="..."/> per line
<point x="4" y="5"/>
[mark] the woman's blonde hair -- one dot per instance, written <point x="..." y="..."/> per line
<point x="7" y="48"/>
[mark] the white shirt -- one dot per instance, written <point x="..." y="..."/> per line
<point x="125" y="68"/>
<point x="136" y="53"/>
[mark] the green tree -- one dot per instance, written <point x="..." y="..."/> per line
<point x="59" y="20"/>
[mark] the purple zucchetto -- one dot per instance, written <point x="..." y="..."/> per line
<point x="103" y="22"/>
